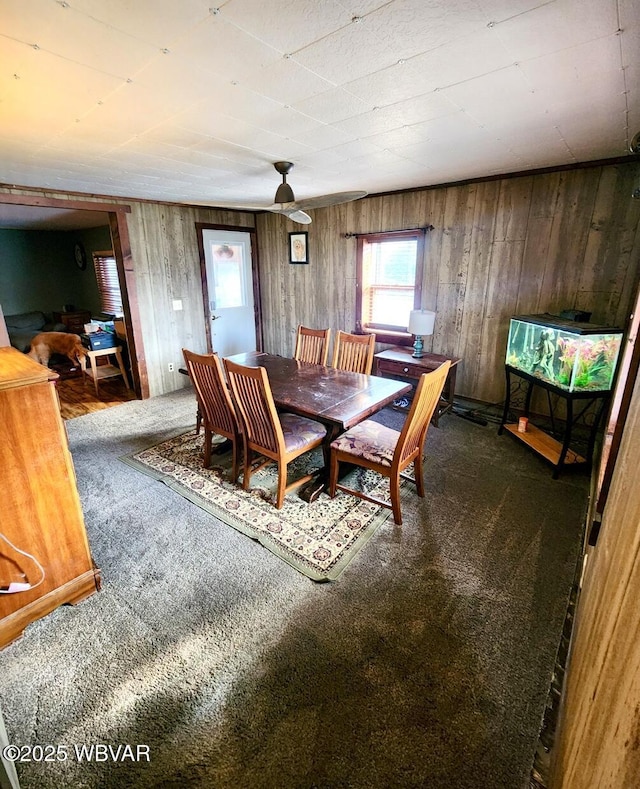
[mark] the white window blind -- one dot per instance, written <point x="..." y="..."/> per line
<point x="108" y="282"/>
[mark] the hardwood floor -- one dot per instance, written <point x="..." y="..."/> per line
<point x="78" y="397"/>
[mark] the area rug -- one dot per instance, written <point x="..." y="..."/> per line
<point x="319" y="539"/>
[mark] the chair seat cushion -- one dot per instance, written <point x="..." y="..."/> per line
<point x="300" y="431"/>
<point x="369" y="440"/>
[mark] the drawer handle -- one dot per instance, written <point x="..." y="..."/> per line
<point x="405" y="370"/>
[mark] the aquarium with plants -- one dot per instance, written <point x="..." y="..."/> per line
<point x="578" y="357"/>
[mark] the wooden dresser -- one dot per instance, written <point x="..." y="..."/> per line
<point x="74" y="321"/>
<point x="41" y="512"/>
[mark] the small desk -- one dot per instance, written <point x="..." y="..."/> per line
<point x="100" y="372"/>
<point x="400" y="363"/>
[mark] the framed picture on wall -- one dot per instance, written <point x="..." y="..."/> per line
<point x="298" y="247"/>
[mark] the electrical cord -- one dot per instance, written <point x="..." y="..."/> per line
<point x="481" y="416"/>
<point x="18" y="586"/>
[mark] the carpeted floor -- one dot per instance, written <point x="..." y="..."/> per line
<point x="426" y="664"/>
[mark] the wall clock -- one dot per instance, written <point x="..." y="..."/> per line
<point x="80" y="256"/>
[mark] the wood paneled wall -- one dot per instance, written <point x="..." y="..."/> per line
<point x="529" y="244"/>
<point x="533" y="243"/>
<point x="164" y="248"/>
<point x="598" y="739"/>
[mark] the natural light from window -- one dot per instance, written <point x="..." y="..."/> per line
<point x="389" y="273"/>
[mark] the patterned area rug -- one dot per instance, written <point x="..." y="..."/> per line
<point x="318" y="539"/>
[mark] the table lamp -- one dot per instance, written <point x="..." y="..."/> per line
<point x="421" y="323"/>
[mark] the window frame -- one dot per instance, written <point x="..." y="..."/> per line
<point x="388" y="334"/>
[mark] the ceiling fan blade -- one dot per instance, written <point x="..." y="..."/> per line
<point x="292" y="212"/>
<point x="322" y="201"/>
<point x="286" y="204"/>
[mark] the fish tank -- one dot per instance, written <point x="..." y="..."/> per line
<point x="578" y="357"/>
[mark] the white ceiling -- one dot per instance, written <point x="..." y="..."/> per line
<point x="187" y="102"/>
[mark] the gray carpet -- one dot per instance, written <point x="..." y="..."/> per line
<point x="427" y="664"/>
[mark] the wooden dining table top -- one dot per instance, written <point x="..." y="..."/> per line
<point x="336" y="397"/>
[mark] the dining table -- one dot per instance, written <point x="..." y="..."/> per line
<point x="337" y="398"/>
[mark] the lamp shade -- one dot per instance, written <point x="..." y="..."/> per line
<point x="421" y="322"/>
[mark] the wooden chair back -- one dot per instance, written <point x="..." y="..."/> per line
<point x="252" y="394"/>
<point x="212" y="393"/>
<point x="354" y="352"/>
<point x="418" y="419"/>
<point x="264" y="429"/>
<point x="359" y="445"/>
<point x="312" y="345"/>
<point x="215" y="405"/>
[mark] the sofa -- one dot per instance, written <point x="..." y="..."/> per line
<point x="22" y="328"/>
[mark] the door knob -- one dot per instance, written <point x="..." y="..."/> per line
<point x="215" y="317"/>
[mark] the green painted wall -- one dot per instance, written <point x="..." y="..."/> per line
<point x="38" y="270"/>
<point x="97" y="239"/>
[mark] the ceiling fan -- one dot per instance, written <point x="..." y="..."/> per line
<point x="285" y="202"/>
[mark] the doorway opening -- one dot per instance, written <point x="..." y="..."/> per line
<point x="77" y="216"/>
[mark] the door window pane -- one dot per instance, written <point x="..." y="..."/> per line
<point x="229" y="290"/>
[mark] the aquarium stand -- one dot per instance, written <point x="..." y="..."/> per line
<point x="559" y="453"/>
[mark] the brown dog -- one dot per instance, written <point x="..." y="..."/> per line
<point x="50" y="342"/>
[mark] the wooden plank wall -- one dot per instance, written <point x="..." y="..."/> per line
<point x="598" y="738"/>
<point x="529" y="244"/>
<point x="534" y="243"/>
<point x="164" y="247"/>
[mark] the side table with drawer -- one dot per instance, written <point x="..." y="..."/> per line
<point x="400" y="363"/>
<point x="74" y="321"/>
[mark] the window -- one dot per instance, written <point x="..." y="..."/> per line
<point x="389" y="281"/>
<point x="108" y="282"/>
<point x="229" y="275"/>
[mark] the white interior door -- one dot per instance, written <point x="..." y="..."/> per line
<point x="230" y="287"/>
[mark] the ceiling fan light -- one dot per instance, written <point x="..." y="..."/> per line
<point x="284" y="194"/>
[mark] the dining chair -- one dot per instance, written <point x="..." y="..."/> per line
<point x="215" y="405"/>
<point x="312" y="345"/>
<point x="277" y="437"/>
<point x="374" y="446"/>
<point x="354" y="352"/>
